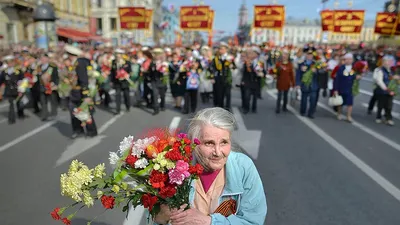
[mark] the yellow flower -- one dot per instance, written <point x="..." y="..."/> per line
<point x="156" y="166"/>
<point x="89" y="68"/>
<point x="124" y="185"/>
<point x="115" y="189"/>
<point x="170" y="165"/>
<point x="99" y="194"/>
<point x="163" y="162"/>
<point x="99" y="171"/>
<point x="87" y="199"/>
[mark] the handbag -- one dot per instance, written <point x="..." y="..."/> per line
<point x="335" y="100"/>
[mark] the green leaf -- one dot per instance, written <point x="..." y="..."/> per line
<point x="145" y="171"/>
<point x="121" y="176"/>
<point x="125" y="208"/>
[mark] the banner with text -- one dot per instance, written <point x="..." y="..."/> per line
<point x="132" y="18"/>
<point x="149" y="18"/>
<point x="211" y="20"/>
<point x="385" y="22"/>
<point x="327" y="20"/>
<point x="348" y="21"/>
<point x="195" y="18"/>
<point x="269" y="16"/>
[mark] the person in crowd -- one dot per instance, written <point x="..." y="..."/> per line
<point x="80" y="92"/>
<point x="333" y="75"/>
<point x="147" y="70"/>
<point x="160" y="79"/>
<point x="192" y="86"/>
<point x="285" y="79"/>
<point x="49" y="80"/>
<point x="206" y="86"/>
<point x="382" y="76"/>
<point x="309" y="90"/>
<point x="225" y="193"/>
<point x="175" y="79"/>
<point x="343" y="85"/>
<point x="11" y="76"/>
<point x="120" y="70"/>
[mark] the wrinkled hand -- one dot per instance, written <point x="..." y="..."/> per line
<point x="189" y="217"/>
<point x="335" y="93"/>
<point x="164" y="215"/>
<point x="358" y="77"/>
<point x="178" y="82"/>
<point x="391" y="93"/>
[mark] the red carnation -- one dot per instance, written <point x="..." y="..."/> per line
<point x="158" y="179"/>
<point x="149" y="201"/>
<point x="55" y="214"/>
<point x="130" y="160"/>
<point x="66" y="221"/>
<point x="187" y="141"/>
<point x="188" y="149"/>
<point x="174" y="154"/>
<point x="108" y="201"/>
<point x="196" y="169"/>
<point x="168" y="191"/>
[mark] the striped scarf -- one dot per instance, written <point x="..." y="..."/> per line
<point x="227" y="208"/>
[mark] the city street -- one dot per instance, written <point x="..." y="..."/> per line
<point x="320" y="171"/>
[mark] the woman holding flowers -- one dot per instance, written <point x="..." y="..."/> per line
<point x="284" y="81"/>
<point x="229" y="190"/>
<point x="343" y="85"/>
<point x="387" y="86"/>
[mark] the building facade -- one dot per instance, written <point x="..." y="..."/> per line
<point x="16" y="23"/>
<point x="107" y="24"/>
<point x="296" y="32"/>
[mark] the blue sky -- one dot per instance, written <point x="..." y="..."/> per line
<point x="226" y="11"/>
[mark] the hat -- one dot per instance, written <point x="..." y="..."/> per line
<point x="205" y="47"/>
<point x="108" y="45"/>
<point x="348" y="56"/>
<point x="224" y="44"/>
<point x="8" y="58"/>
<point x="189" y="48"/>
<point x="145" y="48"/>
<point x="167" y="49"/>
<point x="119" y="51"/>
<point x="309" y="50"/>
<point x="157" y="51"/>
<point x="73" y="50"/>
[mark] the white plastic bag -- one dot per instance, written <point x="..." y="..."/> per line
<point x="335" y="100"/>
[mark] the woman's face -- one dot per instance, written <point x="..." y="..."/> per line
<point x="214" y="148"/>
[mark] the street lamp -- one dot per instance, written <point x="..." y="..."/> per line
<point x="44" y="17"/>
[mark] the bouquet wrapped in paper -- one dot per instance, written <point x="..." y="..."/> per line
<point x="359" y="68"/>
<point x="150" y="171"/>
<point x="123" y="75"/>
<point x="82" y="113"/>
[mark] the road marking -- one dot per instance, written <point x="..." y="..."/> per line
<point x="249" y="140"/>
<point x="174" y="123"/>
<point x="80" y="145"/>
<point x="29" y="134"/>
<point x="4" y="105"/>
<point x="374" y="175"/>
<point x="370" y="94"/>
<point x="394" y="114"/>
<point x="3" y="120"/>
<point x="367" y="130"/>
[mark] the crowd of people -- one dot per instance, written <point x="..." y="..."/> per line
<point x="67" y="76"/>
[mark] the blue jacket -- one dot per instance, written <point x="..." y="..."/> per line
<point x="386" y="80"/>
<point x="343" y="83"/>
<point x="243" y="183"/>
<point x="299" y="76"/>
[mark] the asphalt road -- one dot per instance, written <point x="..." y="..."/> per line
<point x="320" y="171"/>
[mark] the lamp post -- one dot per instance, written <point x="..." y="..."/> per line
<point x="44" y="17"/>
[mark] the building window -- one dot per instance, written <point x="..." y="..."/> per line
<point x="69" y="5"/>
<point x="99" y="3"/>
<point x="99" y="24"/>
<point x="113" y="4"/>
<point x="11" y="33"/>
<point x="113" y="24"/>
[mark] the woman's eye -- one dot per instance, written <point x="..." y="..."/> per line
<point x="209" y="144"/>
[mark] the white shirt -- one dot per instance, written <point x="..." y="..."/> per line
<point x="332" y="64"/>
<point x="378" y="77"/>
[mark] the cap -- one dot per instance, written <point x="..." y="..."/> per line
<point x="8" y="58"/>
<point x="119" y="51"/>
<point x="167" y="49"/>
<point x="348" y="56"/>
<point x="224" y="44"/>
<point x="205" y="48"/>
<point x="145" y="48"/>
<point x="73" y="50"/>
<point x="158" y="51"/>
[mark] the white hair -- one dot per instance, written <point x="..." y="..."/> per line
<point x="217" y="117"/>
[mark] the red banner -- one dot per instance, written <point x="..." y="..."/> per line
<point x="149" y="18"/>
<point x="269" y="16"/>
<point x="211" y="20"/>
<point x="385" y="22"/>
<point x="132" y="18"/>
<point x="348" y="21"/>
<point x="195" y="18"/>
<point x="327" y="20"/>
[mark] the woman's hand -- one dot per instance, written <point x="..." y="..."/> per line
<point x="358" y="77"/>
<point x="189" y="217"/>
<point x="164" y="215"/>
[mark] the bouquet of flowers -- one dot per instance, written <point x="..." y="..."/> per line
<point x="82" y="113"/>
<point x="149" y="172"/>
<point x="393" y="85"/>
<point x="162" y="67"/>
<point x="185" y="66"/>
<point x="308" y="75"/>
<point x="23" y="87"/>
<point x="359" y="68"/>
<point x="123" y="75"/>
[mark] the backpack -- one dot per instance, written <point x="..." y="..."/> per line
<point x="193" y="81"/>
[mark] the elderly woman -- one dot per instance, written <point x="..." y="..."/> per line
<point x="230" y="190"/>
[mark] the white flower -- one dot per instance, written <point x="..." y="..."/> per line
<point x="125" y="145"/>
<point x="114" y="158"/>
<point x="140" y="145"/>
<point x="141" y="163"/>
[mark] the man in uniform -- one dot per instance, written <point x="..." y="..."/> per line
<point x="10" y="77"/>
<point x="121" y="85"/>
<point x="48" y="82"/>
<point x="80" y="91"/>
<point x="221" y="67"/>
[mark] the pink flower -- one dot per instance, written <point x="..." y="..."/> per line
<point x="196" y="141"/>
<point x="180" y="173"/>
<point x="182" y="135"/>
